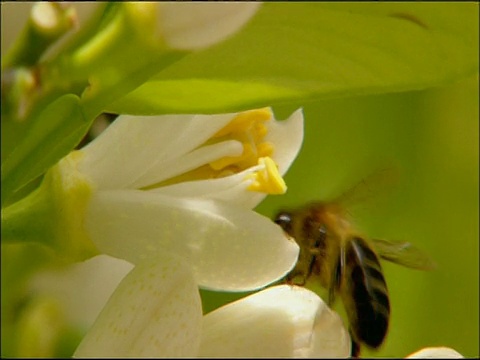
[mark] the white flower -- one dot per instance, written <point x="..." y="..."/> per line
<point x="186" y="184"/>
<point x="147" y="36"/>
<point x="150" y="316"/>
<point x="173" y="196"/>
<point x="189" y="25"/>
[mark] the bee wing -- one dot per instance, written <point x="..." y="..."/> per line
<point x="404" y="253"/>
<point x="374" y="186"/>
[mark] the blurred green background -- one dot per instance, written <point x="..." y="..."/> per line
<point x="432" y="138"/>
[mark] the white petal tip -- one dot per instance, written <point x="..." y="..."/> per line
<point x="280" y="321"/>
<point x="194" y="26"/>
<point x="435" y="353"/>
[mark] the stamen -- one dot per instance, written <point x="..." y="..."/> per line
<point x="248" y="128"/>
<point x="267" y="179"/>
<point x="246" y="131"/>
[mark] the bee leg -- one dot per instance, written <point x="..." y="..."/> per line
<point x="331" y="296"/>
<point x="296" y="278"/>
<point x="313" y="260"/>
<point x="355" y="349"/>
<point x="335" y="283"/>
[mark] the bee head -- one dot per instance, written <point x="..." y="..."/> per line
<point x="284" y="219"/>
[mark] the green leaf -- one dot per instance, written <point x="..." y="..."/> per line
<point x="107" y="87"/>
<point x="304" y="51"/>
<point x="54" y="132"/>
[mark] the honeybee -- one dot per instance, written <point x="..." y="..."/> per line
<point x="346" y="263"/>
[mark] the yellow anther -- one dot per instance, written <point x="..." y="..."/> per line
<point x="265" y="149"/>
<point x="244" y="121"/>
<point x="260" y="130"/>
<point x="267" y="180"/>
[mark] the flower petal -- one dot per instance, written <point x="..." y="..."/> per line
<point x="287" y="135"/>
<point x="155" y="312"/>
<point x="281" y="321"/>
<point x="231" y="189"/>
<point x="193" y="26"/>
<point x="229" y="248"/>
<point x="81" y="298"/>
<point x="435" y="353"/>
<point x="132" y="145"/>
<point x="190" y="161"/>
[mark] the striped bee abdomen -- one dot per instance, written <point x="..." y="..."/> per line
<point x="365" y="293"/>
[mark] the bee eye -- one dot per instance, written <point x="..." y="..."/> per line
<point x="284" y="219"/>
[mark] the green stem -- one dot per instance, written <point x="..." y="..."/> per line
<point x="48" y="21"/>
<point x="29" y="220"/>
<point x="53" y="215"/>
